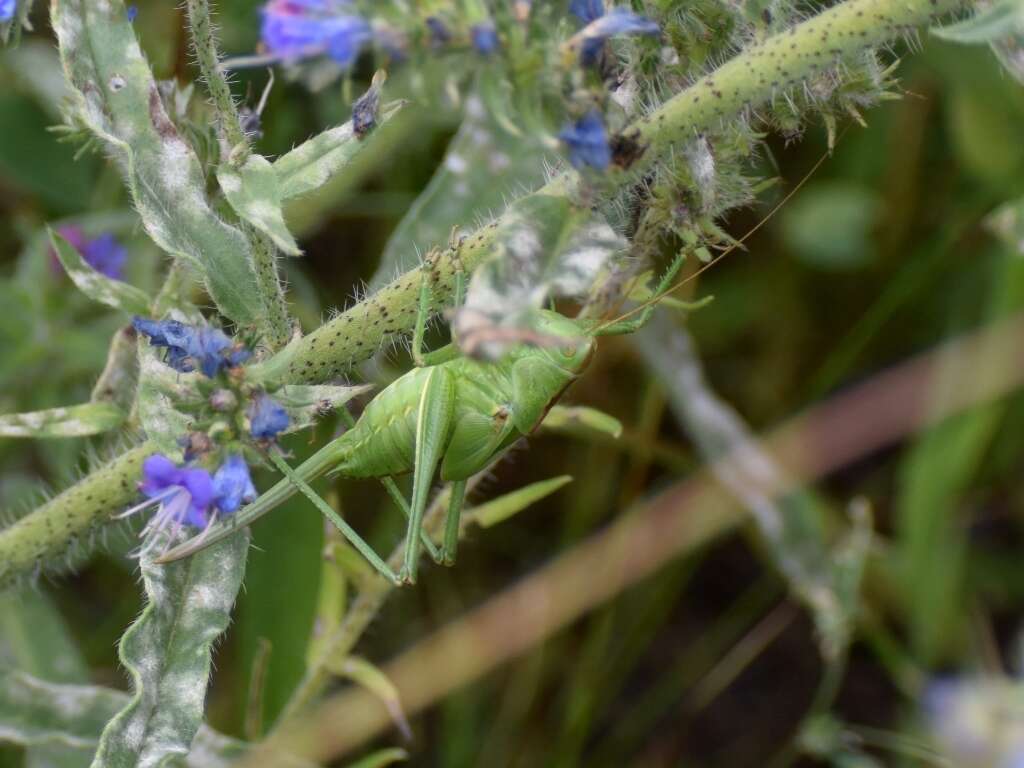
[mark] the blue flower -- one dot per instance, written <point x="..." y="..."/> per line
<point x="232" y="484"/>
<point x="587" y="10"/>
<point x="267" y="417"/>
<point x="184" y="495"/>
<point x="600" y="27"/>
<point x="189" y="345"/>
<point x="587" y="142"/>
<point x="7" y="9"/>
<point x="104" y="254"/>
<point x="297" y="29"/>
<point x="485" y="38"/>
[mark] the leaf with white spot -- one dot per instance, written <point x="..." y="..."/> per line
<point x="546" y="247"/>
<point x="160" y="388"/>
<point x="96" y="285"/>
<point x="484" y="166"/>
<point x="1007" y="223"/>
<point x="116" y="97"/>
<point x="72" y="421"/>
<point x="999" y="20"/>
<point x="311" y="164"/>
<point x="307" y="404"/>
<point x="36" y="713"/>
<point x="254" y="192"/>
<point x="167" y="653"/>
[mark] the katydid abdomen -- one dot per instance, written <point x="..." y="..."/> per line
<point x="382" y="443"/>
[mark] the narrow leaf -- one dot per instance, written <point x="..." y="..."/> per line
<point x="118" y="100"/>
<point x="381" y="758"/>
<point x="579" y="418"/>
<point x="160" y="388"/>
<point x="96" y="285"/>
<point x="34" y="712"/>
<point x="483" y="167"/>
<point x="254" y="192"/>
<point x="546" y="247"/>
<point x="73" y="421"/>
<point x="1002" y="19"/>
<point x="307" y="404"/>
<point x="1007" y="223"/>
<point x="312" y="163"/>
<point x="365" y="674"/>
<point x="167" y="653"/>
<point x="502" y="508"/>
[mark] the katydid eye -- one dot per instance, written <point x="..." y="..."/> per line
<point x="569" y="351"/>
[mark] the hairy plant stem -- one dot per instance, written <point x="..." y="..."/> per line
<point x="235" y="148"/>
<point x="54" y="530"/>
<point x="753" y="78"/>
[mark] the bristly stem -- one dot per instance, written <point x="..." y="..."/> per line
<point x="205" y="45"/>
<point x="235" y="149"/>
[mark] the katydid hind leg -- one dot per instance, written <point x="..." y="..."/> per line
<point x="433" y="424"/>
<point x="451" y="523"/>
<point x="327" y="511"/>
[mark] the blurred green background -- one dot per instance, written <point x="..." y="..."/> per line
<point x="880" y="255"/>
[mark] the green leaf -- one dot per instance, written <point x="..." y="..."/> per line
<point x="365" y="674"/>
<point x="999" y="20"/>
<point x="307" y="404"/>
<point x="1007" y="223"/>
<point x="96" y="285"/>
<point x="545" y="247"/>
<point x="72" y="421"/>
<point x="118" y="100"/>
<point x="314" y="162"/>
<point x="580" y="418"/>
<point x="35" y="714"/>
<point x="160" y="388"/>
<point x="254" y="192"/>
<point x="381" y="758"/>
<point x="167" y="653"/>
<point x="32" y="629"/>
<point x="483" y="166"/>
<point x="502" y="508"/>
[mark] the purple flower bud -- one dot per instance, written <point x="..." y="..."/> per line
<point x="189" y="345"/>
<point x="485" y="38"/>
<point x="7" y="9"/>
<point x="232" y="485"/>
<point x="267" y="417"/>
<point x="587" y="142"/>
